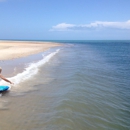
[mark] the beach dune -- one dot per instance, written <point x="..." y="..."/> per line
<point x="16" y="49"/>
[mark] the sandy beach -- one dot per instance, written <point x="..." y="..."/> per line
<point x="17" y="49"/>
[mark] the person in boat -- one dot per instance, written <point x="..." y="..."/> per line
<point x="2" y="77"/>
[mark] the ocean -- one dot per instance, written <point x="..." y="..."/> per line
<point x="82" y="85"/>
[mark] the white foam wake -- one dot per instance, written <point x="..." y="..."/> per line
<point x="30" y="71"/>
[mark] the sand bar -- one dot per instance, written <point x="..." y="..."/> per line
<point x="17" y="49"/>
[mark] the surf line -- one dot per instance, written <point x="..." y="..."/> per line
<point x="31" y="70"/>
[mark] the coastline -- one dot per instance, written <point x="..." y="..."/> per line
<point x="22" y="69"/>
<point x="16" y="54"/>
<point x="18" y="49"/>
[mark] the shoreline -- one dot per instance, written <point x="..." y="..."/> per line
<point x="15" y="54"/>
<point x="18" y="49"/>
<point x="12" y="67"/>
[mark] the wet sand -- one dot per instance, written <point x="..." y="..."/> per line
<point x="23" y="106"/>
<point x="18" y="107"/>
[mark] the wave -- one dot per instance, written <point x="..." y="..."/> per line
<point x="31" y="70"/>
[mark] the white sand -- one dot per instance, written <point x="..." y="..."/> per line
<point x="17" y="49"/>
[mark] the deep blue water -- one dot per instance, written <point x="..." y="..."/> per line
<point x="91" y="82"/>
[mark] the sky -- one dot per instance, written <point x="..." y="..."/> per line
<point x="65" y="19"/>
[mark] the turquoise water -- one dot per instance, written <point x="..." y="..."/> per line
<point x="84" y="86"/>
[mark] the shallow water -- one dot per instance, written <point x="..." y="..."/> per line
<point x="83" y="86"/>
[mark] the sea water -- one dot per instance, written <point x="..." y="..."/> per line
<point x="83" y="85"/>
